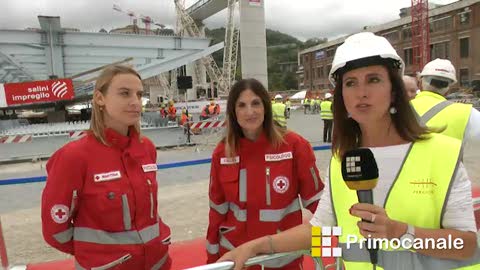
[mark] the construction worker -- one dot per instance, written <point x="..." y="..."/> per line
<point x="313" y="108"/>
<point x="327" y="116"/>
<point x="457" y="120"/>
<point x="306" y="105"/>
<point x="213" y="109"/>
<point x="279" y="111"/>
<point x="100" y="200"/>
<point x="411" y="86"/>
<point x="255" y="150"/>
<point x="172" y="111"/>
<point x="288" y="105"/>
<point x="372" y="111"/>
<point x="184" y="118"/>
<point x="163" y="115"/>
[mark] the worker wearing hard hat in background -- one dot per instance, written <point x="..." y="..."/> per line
<point x="279" y="111"/>
<point x="458" y="120"/>
<point x="411" y="86"/>
<point x="184" y="119"/>
<point x="288" y="105"/>
<point x="327" y="116"/>
<point x="306" y="105"/>
<point x="172" y="111"/>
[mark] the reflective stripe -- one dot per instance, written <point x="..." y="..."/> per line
<point x="314" y="176"/>
<point x="267" y="187"/>
<point x="242" y="185"/>
<point x="313" y="199"/>
<point x="213" y="249"/>
<point x="127" y="221"/>
<point x="404" y="259"/>
<point x="272" y="215"/>
<point x="220" y="208"/>
<point x="434" y="111"/>
<point x="225" y="243"/>
<point x="240" y="214"/>
<point x="65" y="236"/>
<point x="72" y="205"/>
<point x="109" y="265"/>
<point x="160" y="263"/>
<point x="108" y="238"/>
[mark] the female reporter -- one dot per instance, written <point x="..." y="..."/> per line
<point x="423" y="190"/>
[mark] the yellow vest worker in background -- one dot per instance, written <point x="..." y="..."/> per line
<point x="279" y="111"/>
<point x="458" y="120"/>
<point x="288" y="105"/>
<point x="420" y="175"/>
<point x="327" y="116"/>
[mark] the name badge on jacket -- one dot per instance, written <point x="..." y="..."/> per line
<point x="278" y="157"/>
<point x="149" y="167"/>
<point x="108" y="176"/>
<point x="228" y="161"/>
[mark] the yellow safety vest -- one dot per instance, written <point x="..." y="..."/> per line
<point x="326" y="110"/>
<point x="278" y="111"/>
<point x="437" y="112"/>
<point x="288" y="103"/>
<point x="417" y="198"/>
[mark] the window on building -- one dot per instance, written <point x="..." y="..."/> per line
<point x="464" y="18"/>
<point x="464" y="79"/>
<point x="306" y="75"/>
<point x="440" y="50"/>
<point x="331" y="52"/>
<point x="329" y="67"/>
<point x="408" y="56"/>
<point x="464" y="47"/>
<point x="441" y="24"/>
<point x="407" y="32"/>
<point x="391" y="36"/>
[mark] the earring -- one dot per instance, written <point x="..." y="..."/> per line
<point x="349" y="115"/>
<point x="393" y="110"/>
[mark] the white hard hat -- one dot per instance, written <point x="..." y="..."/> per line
<point x="363" y="45"/>
<point x="328" y="95"/>
<point x="278" y="96"/>
<point x="440" y="68"/>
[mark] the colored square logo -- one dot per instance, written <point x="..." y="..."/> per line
<point x="322" y="242"/>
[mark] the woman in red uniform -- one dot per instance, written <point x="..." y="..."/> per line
<point x="257" y="173"/>
<point x="100" y="200"/>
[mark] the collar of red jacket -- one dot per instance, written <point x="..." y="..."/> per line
<point x="120" y="141"/>
<point x="261" y="140"/>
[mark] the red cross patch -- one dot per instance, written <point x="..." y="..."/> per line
<point x="59" y="213"/>
<point x="281" y="184"/>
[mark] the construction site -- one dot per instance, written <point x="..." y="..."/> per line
<point x="48" y="75"/>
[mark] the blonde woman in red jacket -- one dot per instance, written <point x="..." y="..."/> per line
<point x="100" y="200"/>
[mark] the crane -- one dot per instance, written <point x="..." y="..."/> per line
<point x="147" y="20"/>
<point x="420" y="34"/>
<point x="223" y="77"/>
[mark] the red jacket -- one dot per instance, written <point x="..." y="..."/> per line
<point x="100" y="204"/>
<point x="256" y="193"/>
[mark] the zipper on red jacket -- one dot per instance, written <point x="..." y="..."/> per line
<point x="267" y="179"/>
<point x="151" y="197"/>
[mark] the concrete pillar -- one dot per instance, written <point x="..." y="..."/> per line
<point x="200" y="79"/>
<point x="253" y="40"/>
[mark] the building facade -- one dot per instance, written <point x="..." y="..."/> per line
<point x="454" y="35"/>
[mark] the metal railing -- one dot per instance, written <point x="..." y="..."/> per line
<point x="258" y="260"/>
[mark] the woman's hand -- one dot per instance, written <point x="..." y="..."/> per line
<point x="380" y="226"/>
<point x="240" y="254"/>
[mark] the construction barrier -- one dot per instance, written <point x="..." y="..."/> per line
<point x="16" y="139"/>
<point x="208" y="124"/>
<point x="76" y="134"/>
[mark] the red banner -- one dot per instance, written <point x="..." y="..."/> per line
<point x="35" y="92"/>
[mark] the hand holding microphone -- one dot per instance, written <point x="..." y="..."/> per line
<point x="360" y="173"/>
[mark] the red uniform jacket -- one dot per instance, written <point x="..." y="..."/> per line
<point x="256" y="193"/>
<point x="100" y="204"/>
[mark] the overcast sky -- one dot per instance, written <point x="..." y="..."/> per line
<point x="300" y="18"/>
